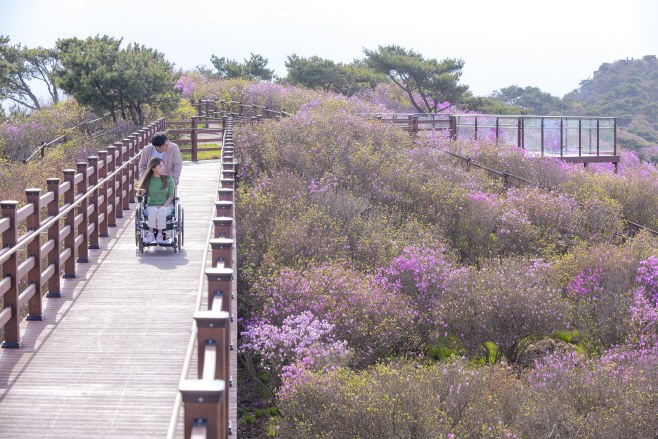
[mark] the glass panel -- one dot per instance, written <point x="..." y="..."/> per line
<point x="465" y="127"/>
<point x="588" y="136"/>
<point x="487" y="128"/>
<point x="552" y="136"/>
<point x="570" y="137"/>
<point x="532" y="134"/>
<point x="606" y="140"/>
<point x="508" y="130"/>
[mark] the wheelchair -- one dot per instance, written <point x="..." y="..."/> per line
<point x="174" y="230"/>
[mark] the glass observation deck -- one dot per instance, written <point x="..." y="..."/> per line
<point x="580" y="139"/>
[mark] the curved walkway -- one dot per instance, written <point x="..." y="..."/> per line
<point x="106" y="361"/>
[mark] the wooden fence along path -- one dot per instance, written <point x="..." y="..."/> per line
<point x="111" y="350"/>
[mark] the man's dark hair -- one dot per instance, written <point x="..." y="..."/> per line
<point x="159" y="139"/>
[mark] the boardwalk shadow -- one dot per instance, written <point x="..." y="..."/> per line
<point x="35" y="334"/>
<point x="163" y="258"/>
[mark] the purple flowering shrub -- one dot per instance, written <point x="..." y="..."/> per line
<point x="302" y="340"/>
<point x="405" y="251"/>
<point x="600" y="281"/>
<point x="498" y="310"/>
<point x="569" y="395"/>
<point x="370" y="316"/>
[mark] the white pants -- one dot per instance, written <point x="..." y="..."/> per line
<point x="158" y="216"/>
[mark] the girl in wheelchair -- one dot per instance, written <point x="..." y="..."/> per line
<point x="159" y="189"/>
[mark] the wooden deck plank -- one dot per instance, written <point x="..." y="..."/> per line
<point x="106" y="360"/>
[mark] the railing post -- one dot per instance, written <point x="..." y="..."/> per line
<point x="53" y="234"/>
<point x="83" y="230"/>
<point x="125" y="190"/>
<point x="221" y="252"/>
<point x="10" y="270"/>
<point x="102" y="196"/>
<point x="542" y="137"/>
<point x="92" y="162"/>
<point x="33" y="222"/>
<point x="562" y="136"/>
<point x="214" y="327"/>
<point x="111" y="186"/>
<point x="453" y="127"/>
<point x="219" y="282"/>
<point x="203" y="400"/>
<point x="614" y="151"/>
<point x="69" y="221"/>
<point x="132" y="150"/>
<point x="223" y="225"/>
<point x="597" y="136"/>
<point x="118" y="180"/>
<point x="195" y="123"/>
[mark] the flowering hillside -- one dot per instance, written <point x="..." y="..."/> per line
<point x="387" y="289"/>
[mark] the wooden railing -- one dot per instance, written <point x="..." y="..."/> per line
<point x="94" y="195"/>
<point x="62" y="139"/>
<point x="206" y="399"/>
<point x="194" y="131"/>
<point x="240" y="111"/>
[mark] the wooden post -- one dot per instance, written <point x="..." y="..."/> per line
<point x="125" y="189"/>
<point x="33" y="222"/>
<point x="195" y="123"/>
<point x="83" y="231"/>
<point x="132" y="150"/>
<point x="9" y="272"/>
<point x="53" y="235"/>
<point x="111" y="191"/>
<point x="221" y="252"/>
<point x="202" y="401"/>
<point x="92" y="162"/>
<point x="219" y="282"/>
<point x="102" y="195"/>
<point x="223" y="225"/>
<point x="224" y="208"/>
<point x="214" y="329"/>
<point x="214" y="326"/>
<point x="118" y="206"/>
<point x="69" y="221"/>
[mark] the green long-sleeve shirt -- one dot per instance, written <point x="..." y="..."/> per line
<point x="158" y="196"/>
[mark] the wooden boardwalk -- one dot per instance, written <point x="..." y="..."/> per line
<point x="106" y="361"/>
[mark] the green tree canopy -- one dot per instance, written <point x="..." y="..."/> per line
<point x="20" y="65"/>
<point x="531" y="99"/>
<point x="434" y="81"/>
<point x="323" y="74"/>
<point x="253" y="68"/>
<point x="104" y="77"/>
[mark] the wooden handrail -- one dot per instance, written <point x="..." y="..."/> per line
<point x="68" y="130"/>
<point x="206" y="399"/>
<point x="79" y="233"/>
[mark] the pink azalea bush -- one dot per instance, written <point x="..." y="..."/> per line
<point x="402" y="250"/>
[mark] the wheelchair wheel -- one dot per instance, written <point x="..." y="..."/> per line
<point x="182" y="228"/>
<point x="138" y="215"/>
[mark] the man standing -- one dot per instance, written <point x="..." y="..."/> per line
<point x="161" y="147"/>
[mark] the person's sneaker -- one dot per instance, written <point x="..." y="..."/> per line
<point x="162" y="239"/>
<point x="150" y="237"/>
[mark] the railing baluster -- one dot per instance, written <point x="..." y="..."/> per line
<point x="69" y="222"/>
<point x="33" y="222"/>
<point x="83" y="231"/>
<point x="10" y="269"/>
<point x="53" y="235"/>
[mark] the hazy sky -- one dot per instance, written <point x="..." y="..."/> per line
<point x="549" y="44"/>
